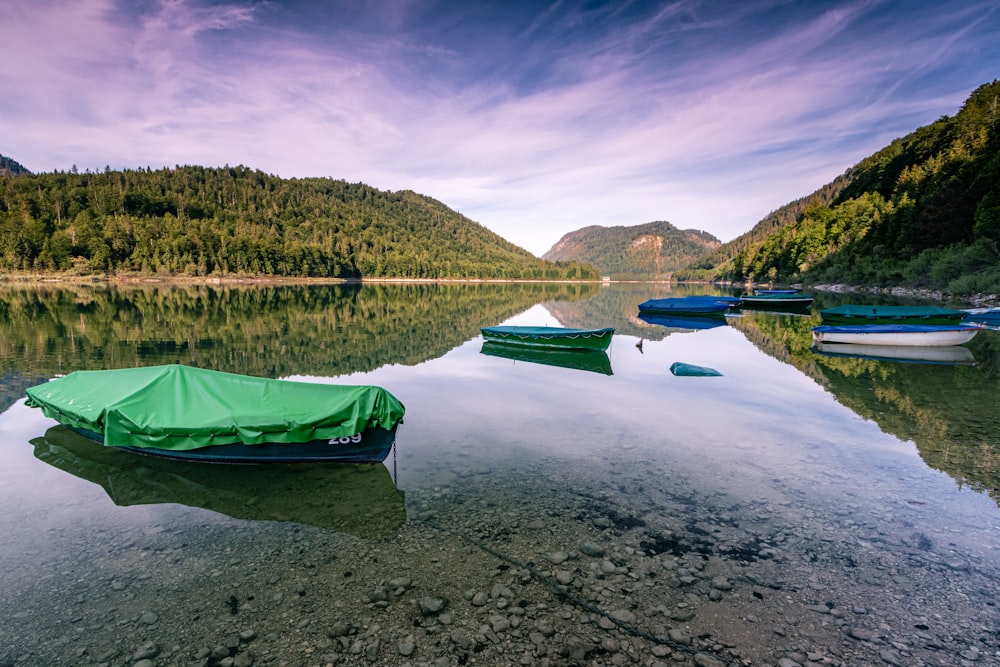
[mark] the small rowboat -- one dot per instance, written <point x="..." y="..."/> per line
<point x="858" y="314"/>
<point x="778" y="300"/>
<point x="194" y="414"/>
<point x="551" y="337"/>
<point x="930" y="335"/>
<point x="689" y="305"/>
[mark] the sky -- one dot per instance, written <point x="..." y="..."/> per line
<point x="531" y="118"/>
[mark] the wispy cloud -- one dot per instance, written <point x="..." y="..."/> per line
<point x="533" y="122"/>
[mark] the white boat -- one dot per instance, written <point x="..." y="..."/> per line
<point x="926" y="335"/>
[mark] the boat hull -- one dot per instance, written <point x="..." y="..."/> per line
<point x="550" y="337"/>
<point x="896" y="334"/>
<point x="370" y="446"/>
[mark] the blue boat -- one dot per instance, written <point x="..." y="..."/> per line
<point x="687" y="305"/>
<point x="988" y="316"/>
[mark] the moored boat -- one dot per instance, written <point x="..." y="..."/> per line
<point x="928" y="335"/>
<point x="182" y="412"/>
<point x="551" y="337"/>
<point x="764" y="292"/>
<point x="689" y="305"/>
<point x="778" y="301"/>
<point x="861" y="314"/>
<point x="987" y="316"/>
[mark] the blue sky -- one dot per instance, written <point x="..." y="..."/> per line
<point x="531" y="118"/>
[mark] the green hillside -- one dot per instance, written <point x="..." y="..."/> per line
<point x="924" y="212"/>
<point x="655" y="249"/>
<point x="10" y="166"/>
<point x="197" y="221"/>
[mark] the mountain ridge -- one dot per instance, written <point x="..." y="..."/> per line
<point x="650" y="250"/>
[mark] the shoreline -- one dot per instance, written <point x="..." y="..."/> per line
<point x="38" y="279"/>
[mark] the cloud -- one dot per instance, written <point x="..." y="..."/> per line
<point x="533" y="123"/>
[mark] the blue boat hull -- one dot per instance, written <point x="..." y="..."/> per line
<point x="370" y="446"/>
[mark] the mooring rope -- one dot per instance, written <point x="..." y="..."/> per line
<point x="561" y="591"/>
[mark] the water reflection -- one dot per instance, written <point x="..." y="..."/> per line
<point x="949" y="354"/>
<point x="792" y="487"/>
<point x="683" y="322"/>
<point x="269" y="331"/>
<point x="946" y="409"/>
<point x="359" y="499"/>
<point x="594" y="361"/>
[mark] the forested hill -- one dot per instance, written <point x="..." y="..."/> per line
<point x="718" y="264"/>
<point x="239" y="221"/>
<point x="9" y="166"/>
<point x="923" y="211"/>
<point x="641" y="251"/>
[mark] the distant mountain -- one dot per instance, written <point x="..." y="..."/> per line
<point x="655" y="249"/>
<point x="922" y="212"/>
<point x="200" y="221"/>
<point x="11" y="166"/>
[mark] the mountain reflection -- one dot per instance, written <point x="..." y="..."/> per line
<point x="269" y="331"/>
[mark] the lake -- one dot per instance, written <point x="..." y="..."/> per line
<point x="798" y="509"/>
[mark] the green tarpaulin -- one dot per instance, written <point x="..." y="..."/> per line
<point x="180" y="408"/>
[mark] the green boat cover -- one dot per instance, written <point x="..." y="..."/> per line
<point x="690" y="370"/>
<point x="179" y="407"/>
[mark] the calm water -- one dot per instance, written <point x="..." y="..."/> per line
<point x="849" y="504"/>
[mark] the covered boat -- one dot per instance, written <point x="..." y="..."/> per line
<point x="859" y="314"/>
<point x="182" y="412"/>
<point x="688" y="305"/>
<point x="552" y="337"/>
<point x="987" y="316"/>
<point x="595" y="361"/>
<point x="779" y="300"/>
<point x="929" y="335"/>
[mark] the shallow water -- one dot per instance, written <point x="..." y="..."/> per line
<point x="804" y="508"/>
